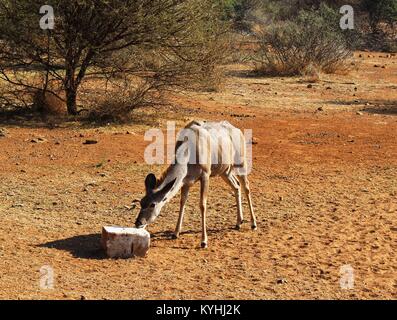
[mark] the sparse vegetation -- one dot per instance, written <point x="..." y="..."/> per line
<point x="382" y="18"/>
<point x="312" y="39"/>
<point x="164" y="43"/>
<point x="380" y="11"/>
<point x="134" y="52"/>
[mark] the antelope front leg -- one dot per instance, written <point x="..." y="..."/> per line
<point x="184" y="196"/>
<point x="203" y="208"/>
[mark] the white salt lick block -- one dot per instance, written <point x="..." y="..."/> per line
<point x="125" y="243"/>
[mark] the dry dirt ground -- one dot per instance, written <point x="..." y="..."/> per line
<point x="324" y="186"/>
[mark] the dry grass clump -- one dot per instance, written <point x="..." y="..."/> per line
<point x="119" y="101"/>
<point x="48" y="102"/>
<point x="311" y="74"/>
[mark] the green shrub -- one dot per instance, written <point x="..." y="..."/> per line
<point x="313" y="38"/>
<point x="381" y="10"/>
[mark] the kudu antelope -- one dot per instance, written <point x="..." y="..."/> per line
<point x="203" y="150"/>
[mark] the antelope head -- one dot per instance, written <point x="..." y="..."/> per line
<point x="153" y="201"/>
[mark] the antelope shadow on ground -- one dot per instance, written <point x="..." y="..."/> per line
<point x="86" y="246"/>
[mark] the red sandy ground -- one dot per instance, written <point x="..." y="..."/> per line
<point x="324" y="188"/>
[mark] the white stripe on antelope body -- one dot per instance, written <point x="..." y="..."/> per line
<point x="203" y="150"/>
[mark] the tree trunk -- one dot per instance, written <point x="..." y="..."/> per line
<point x="70" y="85"/>
<point x="71" y="103"/>
<point x="72" y="82"/>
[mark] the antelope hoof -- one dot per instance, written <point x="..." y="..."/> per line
<point x="238" y="227"/>
<point x="254" y="227"/>
<point x="204" y="245"/>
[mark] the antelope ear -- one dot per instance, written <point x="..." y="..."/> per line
<point x="167" y="188"/>
<point x="150" y="182"/>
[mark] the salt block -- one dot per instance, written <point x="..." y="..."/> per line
<point x="121" y="242"/>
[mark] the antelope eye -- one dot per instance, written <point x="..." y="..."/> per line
<point x="152" y="205"/>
